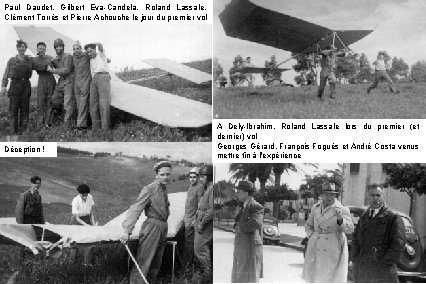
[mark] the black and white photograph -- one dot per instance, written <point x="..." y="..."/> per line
<point x="79" y="83"/>
<point x="312" y="59"/>
<point x="108" y="213"/>
<point x="295" y="223"/>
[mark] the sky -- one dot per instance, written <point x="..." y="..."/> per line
<point x="294" y="180"/>
<point x="127" y="45"/>
<point x="399" y="28"/>
<point x="191" y="151"/>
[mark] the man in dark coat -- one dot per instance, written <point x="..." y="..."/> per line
<point x="377" y="242"/>
<point x="248" y="248"/>
<point x="29" y="209"/>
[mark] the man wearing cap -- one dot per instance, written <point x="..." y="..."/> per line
<point x="100" y="87"/>
<point x="45" y="86"/>
<point x="63" y="94"/>
<point x="378" y="241"/>
<point x="327" y="257"/>
<point x="381" y="75"/>
<point x="247" y="264"/>
<point x="328" y="64"/>
<point x="195" y="192"/>
<point x="203" y="238"/>
<point x="82" y="80"/>
<point x="153" y="233"/>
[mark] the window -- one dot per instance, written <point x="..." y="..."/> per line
<point x="354" y="169"/>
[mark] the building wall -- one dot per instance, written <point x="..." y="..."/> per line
<point x="354" y="193"/>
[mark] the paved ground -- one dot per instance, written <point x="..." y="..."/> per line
<point x="280" y="265"/>
<point x="291" y="234"/>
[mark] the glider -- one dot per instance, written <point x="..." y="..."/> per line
<point x="159" y="107"/>
<point x="245" y="20"/>
<point x="180" y="70"/>
<point x="56" y="237"/>
<point x="260" y="70"/>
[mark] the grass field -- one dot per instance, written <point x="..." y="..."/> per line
<point x="125" y="126"/>
<point x="115" y="183"/>
<point x="292" y="103"/>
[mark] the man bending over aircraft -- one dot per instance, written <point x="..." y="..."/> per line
<point x="328" y="64"/>
<point x="381" y="74"/>
<point x="100" y="88"/>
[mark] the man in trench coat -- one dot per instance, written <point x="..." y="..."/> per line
<point x="326" y="258"/>
<point x="248" y="249"/>
<point x="378" y="241"/>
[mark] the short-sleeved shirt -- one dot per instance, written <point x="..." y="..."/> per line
<point x="81" y="207"/>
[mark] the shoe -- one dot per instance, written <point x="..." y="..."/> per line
<point x="368" y="91"/>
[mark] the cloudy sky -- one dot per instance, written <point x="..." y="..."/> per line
<point x="294" y="180"/>
<point x="126" y="45"/>
<point x="399" y="28"/>
<point x="191" y="151"/>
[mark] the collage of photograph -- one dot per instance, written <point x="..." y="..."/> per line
<point x="135" y="195"/>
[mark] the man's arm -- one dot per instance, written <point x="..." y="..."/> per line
<point x="254" y="221"/>
<point x="347" y="225"/>
<point x="309" y="226"/>
<point x="208" y="213"/>
<point x="19" y="210"/>
<point x="136" y="210"/>
<point x="41" y="212"/>
<point x="67" y="69"/>
<point x="5" y="79"/>
<point x="396" y="240"/>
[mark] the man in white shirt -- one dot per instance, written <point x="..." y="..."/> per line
<point x="381" y="74"/>
<point x="100" y="87"/>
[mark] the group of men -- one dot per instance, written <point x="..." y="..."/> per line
<point x="378" y="240"/>
<point x="328" y="66"/>
<point x="153" y="200"/>
<point x="83" y="86"/>
<point x="152" y="236"/>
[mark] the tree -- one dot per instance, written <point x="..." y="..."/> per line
<point x="263" y="173"/>
<point x="307" y="63"/>
<point x="217" y="69"/>
<point x="346" y="67"/>
<point x="418" y="71"/>
<point x="399" y="68"/>
<point x="272" y="73"/>
<point x="364" y="73"/>
<point x="408" y="178"/>
<point x="313" y="183"/>
<point x="236" y="77"/>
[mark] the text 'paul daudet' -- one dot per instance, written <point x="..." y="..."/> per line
<point x="95" y="7"/>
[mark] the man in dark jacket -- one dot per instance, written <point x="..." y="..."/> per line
<point x="378" y="241"/>
<point x="29" y="209"/>
<point x="247" y="265"/>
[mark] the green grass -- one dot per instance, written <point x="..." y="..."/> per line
<point x="115" y="183"/>
<point x="125" y="126"/>
<point x="292" y="103"/>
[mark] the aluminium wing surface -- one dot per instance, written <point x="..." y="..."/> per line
<point x="245" y="20"/>
<point x="160" y="107"/>
<point x="180" y="70"/>
<point x="12" y="233"/>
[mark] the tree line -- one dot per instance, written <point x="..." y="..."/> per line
<point x="353" y="69"/>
